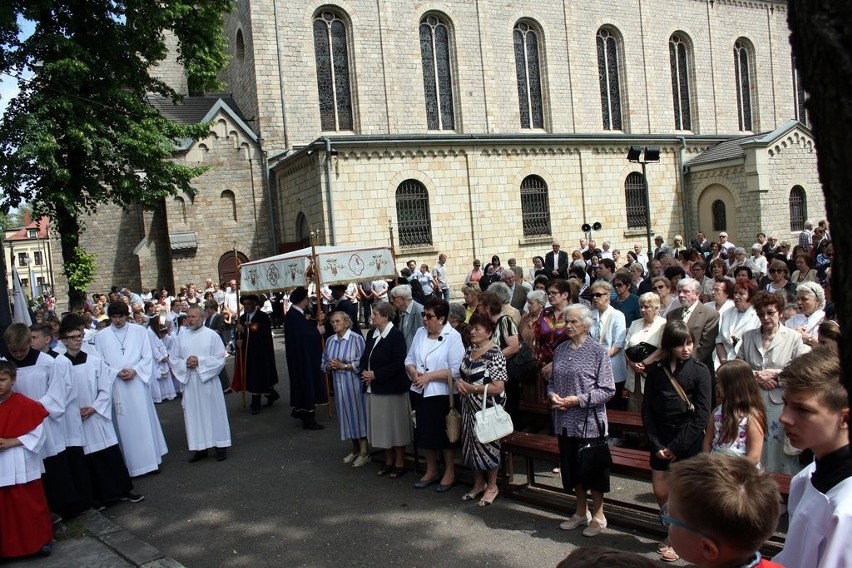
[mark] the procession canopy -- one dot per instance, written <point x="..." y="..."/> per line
<point x="336" y="265"/>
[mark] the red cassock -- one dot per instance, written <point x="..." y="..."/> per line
<point x="25" y="525"/>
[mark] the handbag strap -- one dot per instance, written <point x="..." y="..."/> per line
<point x="597" y="422"/>
<point x="450" y="385"/>
<point x="484" y="395"/>
<point x="678" y="388"/>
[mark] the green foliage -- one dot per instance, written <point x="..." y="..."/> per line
<point x="82" y="131"/>
<point x="80" y="269"/>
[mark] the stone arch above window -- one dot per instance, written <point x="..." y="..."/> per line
<point x="527" y="41"/>
<point x="435" y="55"/>
<point x="230" y="203"/>
<point x="798" y="208"/>
<point x="743" y="75"/>
<point x="680" y="62"/>
<point x="609" y="41"/>
<point x="331" y="49"/>
<point x="535" y="207"/>
<point x="634" y="199"/>
<point x="720" y="215"/>
<point x="412" y="214"/>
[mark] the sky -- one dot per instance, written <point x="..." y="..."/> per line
<point x="9" y="85"/>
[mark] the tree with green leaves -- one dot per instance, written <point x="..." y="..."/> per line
<point x="82" y="131"/>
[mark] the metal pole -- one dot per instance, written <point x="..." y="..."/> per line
<point x="647" y="212"/>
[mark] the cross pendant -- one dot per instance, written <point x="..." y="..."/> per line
<point x="122" y="350"/>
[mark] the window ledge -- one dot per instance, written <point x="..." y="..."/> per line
<point x="637" y="232"/>
<point x="538" y="240"/>
<point x="418" y="249"/>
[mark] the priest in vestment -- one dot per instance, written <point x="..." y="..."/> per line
<point x="25" y="526"/>
<point x="91" y="385"/>
<point x="304" y="359"/>
<point x="126" y="350"/>
<point x="197" y="357"/>
<point x="254" y="340"/>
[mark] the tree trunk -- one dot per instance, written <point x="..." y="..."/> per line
<point x="69" y="238"/>
<point x="822" y="45"/>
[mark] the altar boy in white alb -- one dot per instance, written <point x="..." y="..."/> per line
<point x="197" y="357"/>
<point x="126" y="350"/>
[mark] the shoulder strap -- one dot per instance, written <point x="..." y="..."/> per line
<point x="678" y="388"/>
<point x="450" y="384"/>
<point x="605" y="326"/>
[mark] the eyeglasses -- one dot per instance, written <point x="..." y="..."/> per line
<point x="428" y="316"/>
<point x="667" y="521"/>
<point x="776" y="270"/>
<point x="599" y="294"/>
<point x="75" y="336"/>
<point x="553" y="292"/>
<point x="662" y="287"/>
<point x="770" y="314"/>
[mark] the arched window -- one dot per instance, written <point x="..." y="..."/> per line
<point x="180" y="209"/>
<point x="304" y="229"/>
<point x="240" y="46"/>
<point x="437" y="76"/>
<point x="412" y="214"/>
<point x="608" y="73"/>
<point x="720" y="221"/>
<point x="798" y="208"/>
<point x="634" y="197"/>
<point x="230" y="203"/>
<point x="742" y="69"/>
<point x="680" y="69"/>
<point x="529" y="76"/>
<point x="799" y="96"/>
<point x="332" y="55"/>
<point x="535" y="207"/>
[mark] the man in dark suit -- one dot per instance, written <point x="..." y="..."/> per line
<point x="516" y="286"/>
<point x="254" y="340"/>
<point x="661" y="247"/>
<point x="556" y="261"/>
<point x="303" y="348"/>
<point x="340" y="303"/>
<point x="214" y="320"/>
<point x="409" y="314"/>
<point x="702" y="321"/>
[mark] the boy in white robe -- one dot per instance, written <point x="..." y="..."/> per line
<point x="126" y="350"/>
<point x="816" y="417"/>
<point x="197" y="357"/>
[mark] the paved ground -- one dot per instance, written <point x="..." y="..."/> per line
<point x="283" y="498"/>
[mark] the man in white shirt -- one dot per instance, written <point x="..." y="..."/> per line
<point x="726" y="244"/>
<point x="439" y="273"/>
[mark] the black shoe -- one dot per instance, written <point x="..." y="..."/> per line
<point x="46" y="549"/>
<point x="255" y="410"/>
<point x="132" y="497"/>
<point x="221" y="454"/>
<point x="272" y="397"/>
<point x="198" y="456"/>
<point x="296" y="413"/>
<point x="312" y="426"/>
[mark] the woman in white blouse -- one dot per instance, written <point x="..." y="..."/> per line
<point x="734" y="323"/>
<point x="436" y="350"/>
<point x="810" y="298"/>
<point x="647" y="329"/>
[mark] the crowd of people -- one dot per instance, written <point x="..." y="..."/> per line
<point x="701" y="340"/>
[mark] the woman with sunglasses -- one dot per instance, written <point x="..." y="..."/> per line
<point x="662" y="287"/>
<point x="436" y="352"/>
<point x="778" y="280"/>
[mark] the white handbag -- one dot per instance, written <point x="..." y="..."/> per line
<point x="493" y="422"/>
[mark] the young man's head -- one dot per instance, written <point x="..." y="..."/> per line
<point x="41" y="335"/>
<point x="816" y="404"/>
<point x="118" y="313"/>
<point x="71" y="332"/>
<point x="8" y="373"/>
<point x="18" y="340"/>
<point x="721" y="509"/>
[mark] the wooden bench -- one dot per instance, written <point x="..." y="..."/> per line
<point x="625" y="420"/>
<point x="626" y="461"/>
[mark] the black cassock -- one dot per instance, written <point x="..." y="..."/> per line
<point x="261" y="374"/>
<point x="304" y="358"/>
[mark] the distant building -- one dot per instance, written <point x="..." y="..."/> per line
<point x="30" y="249"/>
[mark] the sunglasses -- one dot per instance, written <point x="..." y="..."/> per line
<point x="776" y="270"/>
<point x="599" y="295"/>
<point x="429" y="316"/>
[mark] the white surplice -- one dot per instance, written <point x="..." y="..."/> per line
<point x="23" y="464"/>
<point x="204" y="411"/>
<point x="40" y="382"/>
<point x="135" y="418"/>
<point x="92" y="383"/>
<point x="71" y="420"/>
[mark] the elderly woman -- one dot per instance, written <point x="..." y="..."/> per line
<point x="805" y="271"/>
<point x="483" y="366"/>
<point x="768" y="349"/>
<point x="458" y="319"/>
<point x="536" y="302"/>
<point x="735" y="322"/>
<point x="779" y="279"/>
<point x="637" y="276"/>
<point x="675" y="431"/>
<point x="501" y="290"/>
<point x="662" y="287"/>
<point x="810" y="298"/>
<point x="549" y="329"/>
<point x="580" y="387"/>
<point x="647" y="329"/>
<point x="722" y="294"/>
<point x="609" y="329"/>
<point x="386" y="384"/>
<point x="718" y="269"/>
<point x="757" y="262"/>
<point x="471" y="293"/>
<point x="342" y="358"/>
<point x="435" y="354"/>
<point x="476" y="274"/>
<point x="739" y="259"/>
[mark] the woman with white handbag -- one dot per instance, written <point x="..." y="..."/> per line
<point x="482" y="378"/>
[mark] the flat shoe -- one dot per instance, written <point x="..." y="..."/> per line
<point x="662" y="546"/>
<point x="669" y="555"/>
<point x="595" y="528"/>
<point x="350" y="458"/>
<point x="485" y="502"/>
<point x="384" y="470"/>
<point x="441" y="488"/>
<point x="424" y="483"/>
<point x="575" y="521"/>
<point x="361" y="461"/>
<point x="472" y="495"/>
